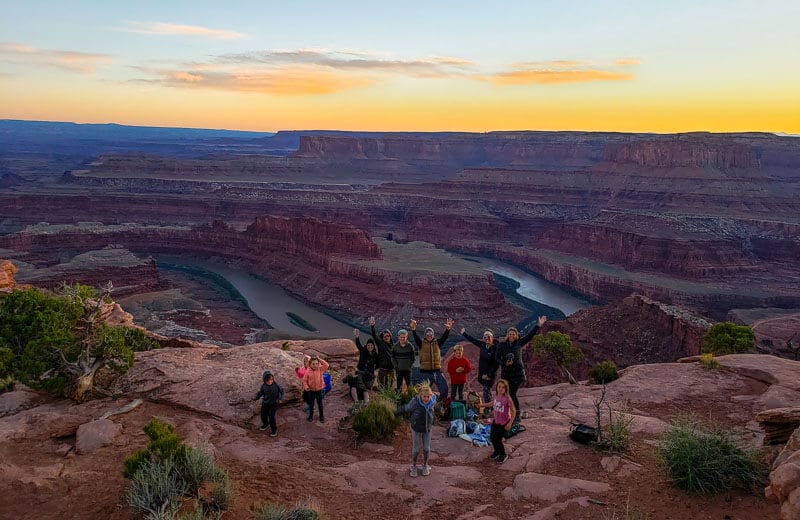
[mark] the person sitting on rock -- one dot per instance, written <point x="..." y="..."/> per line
<point x="509" y="357"/>
<point x="430" y="355"/>
<point x="354" y="379"/>
<point x="383" y="343"/>
<point x="458" y="367"/>
<point x="487" y="364"/>
<point x="421" y="409"/>
<point x="314" y="383"/>
<point x="271" y="395"/>
<point x="367" y="360"/>
<point x="404" y="355"/>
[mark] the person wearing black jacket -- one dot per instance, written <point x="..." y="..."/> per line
<point x="367" y="360"/>
<point x="271" y="395"/>
<point x="509" y="357"/>
<point x="487" y="363"/>
<point x="386" y="367"/>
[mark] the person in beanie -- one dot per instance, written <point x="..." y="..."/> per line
<point x="487" y="364"/>
<point x="386" y="368"/>
<point x="509" y="357"/>
<point x="271" y="395"/>
<point x="367" y="360"/>
<point x="430" y="355"/>
<point x="404" y="355"/>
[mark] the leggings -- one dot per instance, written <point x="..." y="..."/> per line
<point x="315" y="395"/>
<point x="268" y="416"/>
<point x="457" y="392"/>
<point x="418" y="438"/>
<point x="496" y="435"/>
<point x="512" y="392"/>
<point x="403" y="375"/>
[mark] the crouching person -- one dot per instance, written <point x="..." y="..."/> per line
<point x="355" y="380"/>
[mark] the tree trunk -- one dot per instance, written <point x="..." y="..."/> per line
<point x="84" y="383"/>
<point x="566" y="372"/>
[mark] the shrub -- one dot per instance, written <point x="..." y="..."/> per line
<point x="707" y="361"/>
<point x="558" y="347"/>
<point x="197" y="466"/>
<point x="407" y="395"/>
<point x="300" y="511"/>
<point x="223" y="493"/>
<point x="616" y="436"/>
<point x="603" y="372"/>
<point x="706" y="459"/>
<point x="728" y="338"/>
<point x="376" y="420"/>
<point x="156" y="489"/>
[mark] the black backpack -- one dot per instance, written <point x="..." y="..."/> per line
<point x="583" y="434"/>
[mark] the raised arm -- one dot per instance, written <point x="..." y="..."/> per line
<point x="413" y="327"/>
<point x="472" y="340"/>
<point x="529" y="336"/>
<point x="447" y="326"/>
<point x="324" y="365"/>
<point x="357" y="335"/>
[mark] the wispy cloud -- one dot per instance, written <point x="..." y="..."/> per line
<point x="171" y="29"/>
<point x="437" y="66"/>
<point x="551" y="64"/>
<point x="627" y="62"/>
<point x="295" y="81"/>
<point x="552" y="76"/>
<point x="69" y="60"/>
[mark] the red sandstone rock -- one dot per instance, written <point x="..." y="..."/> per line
<point x="7" y="271"/>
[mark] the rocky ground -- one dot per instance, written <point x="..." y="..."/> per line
<point x="60" y="461"/>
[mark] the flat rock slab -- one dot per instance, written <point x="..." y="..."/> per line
<point x="547" y="488"/>
<point x="762" y="367"/>
<point x="96" y="434"/>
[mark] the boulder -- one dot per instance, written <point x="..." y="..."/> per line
<point x="7" y="270"/>
<point x="779" y="424"/>
<point x="96" y="434"/>
<point x="784" y="481"/>
<point x="768" y="369"/>
<point x="547" y="488"/>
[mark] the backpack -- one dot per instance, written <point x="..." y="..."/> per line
<point x="515" y="429"/>
<point x="457" y="410"/>
<point x="582" y="433"/>
<point x="326" y="378"/>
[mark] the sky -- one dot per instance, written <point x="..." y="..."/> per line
<point x="630" y="66"/>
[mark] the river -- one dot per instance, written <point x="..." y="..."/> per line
<point x="271" y="303"/>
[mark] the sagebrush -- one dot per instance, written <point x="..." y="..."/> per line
<point x="376" y="420"/>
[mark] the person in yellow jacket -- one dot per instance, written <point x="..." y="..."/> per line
<point x="430" y="355"/>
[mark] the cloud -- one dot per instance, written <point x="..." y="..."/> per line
<point x="627" y="62"/>
<point x="556" y="64"/>
<point x="437" y="66"/>
<point x="296" y="81"/>
<point x="552" y="77"/>
<point x="69" y="60"/>
<point x="171" y="29"/>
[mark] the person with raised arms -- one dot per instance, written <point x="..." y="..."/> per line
<point x="430" y="355"/>
<point x="509" y="357"/>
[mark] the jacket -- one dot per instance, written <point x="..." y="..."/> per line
<point x="487" y="364"/>
<point x="430" y="352"/>
<point x="367" y="363"/>
<point x="458" y="378"/>
<point x="403" y="356"/>
<point x="512" y="351"/>
<point x="355" y="381"/>
<point x="313" y="380"/>
<point x="270" y="394"/>
<point x="421" y="419"/>
<point x="385" y="359"/>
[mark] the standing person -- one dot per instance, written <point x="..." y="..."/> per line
<point x="421" y="408"/>
<point x="509" y="357"/>
<point x="300" y="372"/>
<point x="458" y="367"/>
<point x="367" y="360"/>
<point x="271" y="395"/>
<point x="315" y="384"/>
<point x="404" y="357"/>
<point x="430" y="355"/>
<point x="487" y="364"/>
<point x="383" y="343"/>
<point x="504" y="410"/>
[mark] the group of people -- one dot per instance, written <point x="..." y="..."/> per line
<point x="394" y="360"/>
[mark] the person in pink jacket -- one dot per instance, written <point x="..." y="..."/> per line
<point x="300" y="372"/>
<point x="314" y="384"/>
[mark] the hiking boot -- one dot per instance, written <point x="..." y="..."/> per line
<point x="310" y="418"/>
<point x="273" y="434"/>
<point x="426" y="470"/>
<point x="413" y="471"/>
<point x="502" y="458"/>
<point x="494" y="456"/>
<point x="263" y="427"/>
<point x="321" y="419"/>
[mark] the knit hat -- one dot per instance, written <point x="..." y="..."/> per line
<point x="490" y="332"/>
<point x="512" y="329"/>
<point x="402" y="331"/>
<point x="266" y="375"/>
<point x="428" y="330"/>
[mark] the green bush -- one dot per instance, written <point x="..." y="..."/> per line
<point x="728" y="338"/>
<point x="197" y="466"/>
<point x="706" y="459"/>
<point x="222" y="494"/>
<point x="603" y="372"/>
<point x="558" y="347"/>
<point x="156" y="489"/>
<point x="376" y="421"/>
<point x="300" y="511"/>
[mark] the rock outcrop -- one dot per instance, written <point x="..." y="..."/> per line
<point x="7" y="271"/>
